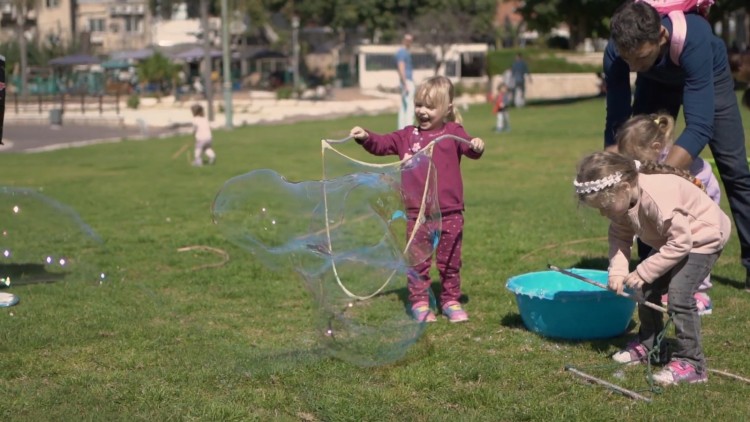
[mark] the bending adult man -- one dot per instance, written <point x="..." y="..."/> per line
<point x="700" y="82"/>
<point x="406" y="79"/>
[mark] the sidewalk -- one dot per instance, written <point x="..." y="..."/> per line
<point x="31" y="132"/>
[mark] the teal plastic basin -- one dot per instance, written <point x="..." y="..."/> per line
<point x="555" y="305"/>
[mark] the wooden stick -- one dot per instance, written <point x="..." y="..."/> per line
<point x="597" y="284"/>
<point x="730" y="375"/>
<point x="624" y="391"/>
<point x="180" y="151"/>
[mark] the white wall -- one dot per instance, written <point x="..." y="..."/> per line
<point x="387" y="78"/>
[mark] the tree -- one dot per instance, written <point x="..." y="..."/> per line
<point x="157" y="69"/>
<point x="584" y="18"/>
<point x="22" y="8"/>
<point x="445" y="22"/>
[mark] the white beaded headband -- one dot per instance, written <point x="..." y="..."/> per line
<point x="600" y="184"/>
<point x="597" y="185"/>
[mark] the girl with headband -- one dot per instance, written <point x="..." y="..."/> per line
<point x="687" y="230"/>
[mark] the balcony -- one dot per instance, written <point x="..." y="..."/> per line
<point x="118" y="10"/>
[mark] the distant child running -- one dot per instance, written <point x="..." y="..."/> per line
<point x="500" y="108"/>
<point x="688" y="231"/>
<point x="203" y="138"/>
<point x="436" y="116"/>
<point x="648" y="137"/>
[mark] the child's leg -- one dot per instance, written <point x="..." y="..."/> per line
<point x="449" y="257"/>
<point x="210" y="154"/>
<point x="506" y="117"/>
<point x="500" y="125"/>
<point x="418" y="279"/>
<point x="198" y="154"/>
<point x="652" y="321"/>
<point x="686" y="277"/>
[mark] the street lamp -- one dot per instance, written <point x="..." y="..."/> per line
<point x="295" y="52"/>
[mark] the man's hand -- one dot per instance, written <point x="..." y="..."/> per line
<point x="678" y="157"/>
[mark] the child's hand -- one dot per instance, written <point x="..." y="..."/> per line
<point x="477" y="145"/>
<point x="359" y="134"/>
<point x="634" y="280"/>
<point x="615" y="283"/>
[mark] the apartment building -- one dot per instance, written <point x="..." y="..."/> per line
<point x="114" y="25"/>
<point x="101" y="26"/>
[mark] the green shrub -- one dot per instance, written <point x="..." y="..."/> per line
<point x="284" y="92"/>
<point x="134" y="101"/>
<point x="538" y="60"/>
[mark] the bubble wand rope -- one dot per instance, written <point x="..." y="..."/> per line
<point x="326" y="144"/>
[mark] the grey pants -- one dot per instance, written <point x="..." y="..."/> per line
<point x="681" y="283"/>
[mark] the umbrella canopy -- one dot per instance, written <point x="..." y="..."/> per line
<point x="73" y="60"/>
<point x="195" y="53"/>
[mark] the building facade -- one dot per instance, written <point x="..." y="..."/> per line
<point x="97" y="26"/>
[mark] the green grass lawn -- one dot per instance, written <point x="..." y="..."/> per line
<point x="164" y="339"/>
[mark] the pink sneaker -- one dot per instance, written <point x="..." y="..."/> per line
<point x="635" y="353"/>
<point x="703" y="302"/>
<point x="455" y="312"/>
<point x="679" y="371"/>
<point x="421" y="312"/>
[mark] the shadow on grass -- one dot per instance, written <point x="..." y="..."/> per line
<point x="513" y="320"/>
<point x="737" y="284"/>
<point x="23" y="274"/>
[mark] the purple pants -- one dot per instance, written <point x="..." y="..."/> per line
<point x="448" y="257"/>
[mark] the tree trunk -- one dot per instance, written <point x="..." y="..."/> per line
<point x="22" y="50"/>
<point x="207" y="61"/>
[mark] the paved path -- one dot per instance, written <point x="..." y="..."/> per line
<point x="33" y="133"/>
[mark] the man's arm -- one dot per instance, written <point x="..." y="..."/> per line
<point x="617" y="75"/>
<point x="698" y="102"/>
<point x="679" y="157"/>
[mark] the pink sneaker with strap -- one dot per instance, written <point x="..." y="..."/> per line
<point x="421" y="312"/>
<point x="455" y="312"/>
<point x="679" y="371"/>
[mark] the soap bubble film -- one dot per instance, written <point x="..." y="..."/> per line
<point x="43" y="241"/>
<point x="346" y="236"/>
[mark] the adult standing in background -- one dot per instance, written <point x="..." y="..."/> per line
<point x="519" y="70"/>
<point x="406" y="80"/>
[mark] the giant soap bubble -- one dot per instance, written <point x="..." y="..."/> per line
<point x="346" y="236"/>
<point x="42" y="241"/>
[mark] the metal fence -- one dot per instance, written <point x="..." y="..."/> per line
<point x="81" y="103"/>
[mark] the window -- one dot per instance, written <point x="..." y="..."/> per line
<point x="96" y="25"/>
<point x="52" y="3"/>
<point x="133" y="24"/>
